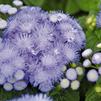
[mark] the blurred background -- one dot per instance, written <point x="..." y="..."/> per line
<point x="73" y="7"/>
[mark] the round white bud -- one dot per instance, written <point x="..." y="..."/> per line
<point x="8" y="86"/>
<point x="92" y="75"/>
<point x="71" y="74"/>
<point x="17" y="3"/>
<point x="3" y="24"/>
<point x="75" y="85"/>
<point x="98" y="45"/>
<point x="86" y="53"/>
<point x="19" y="75"/>
<point x="4" y="8"/>
<point x="12" y="10"/>
<point x="96" y="59"/>
<point x="79" y="70"/>
<point x="64" y="83"/>
<point x="86" y="63"/>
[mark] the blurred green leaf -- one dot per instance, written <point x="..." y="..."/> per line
<point x="5" y="1"/>
<point x="66" y="95"/>
<point x="89" y="5"/>
<point x="92" y="95"/>
<point x="93" y="38"/>
<point x="34" y="2"/>
<point x="72" y="7"/>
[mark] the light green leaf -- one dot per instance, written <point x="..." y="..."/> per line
<point x="89" y="5"/>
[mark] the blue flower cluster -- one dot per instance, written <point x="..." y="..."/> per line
<point x="36" y="45"/>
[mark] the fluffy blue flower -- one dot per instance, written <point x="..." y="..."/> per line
<point x="45" y="42"/>
<point x="71" y="33"/>
<point x="45" y="77"/>
<point x="37" y="97"/>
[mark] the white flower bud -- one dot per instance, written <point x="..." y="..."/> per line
<point x="3" y="24"/>
<point x="64" y="83"/>
<point x="4" y="8"/>
<point x="17" y="3"/>
<point x="86" y="53"/>
<point x="96" y="59"/>
<point x="86" y="63"/>
<point x="12" y="10"/>
<point x="79" y="70"/>
<point x="20" y="85"/>
<point x="64" y="68"/>
<point x="75" y="85"/>
<point x="98" y="45"/>
<point x="8" y="86"/>
<point x="92" y="75"/>
<point x="71" y="74"/>
<point x="19" y="75"/>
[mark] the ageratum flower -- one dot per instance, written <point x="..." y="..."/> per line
<point x="98" y="20"/>
<point x="23" y="29"/>
<point x="10" y="64"/>
<point x="46" y="42"/>
<point x="37" y="97"/>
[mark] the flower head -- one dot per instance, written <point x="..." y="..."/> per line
<point x="44" y="43"/>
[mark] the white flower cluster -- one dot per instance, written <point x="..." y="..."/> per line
<point x="91" y="60"/>
<point x="71" y="78"/>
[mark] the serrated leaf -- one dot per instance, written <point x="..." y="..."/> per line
<point x="72" y="7"/>
<point x="89" y="5"/>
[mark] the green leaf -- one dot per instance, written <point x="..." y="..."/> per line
<point x="5" y="1"/>
<point x="89" y="5"/>
<point x="92" y="95"/>
<point x="72" y="7"/>
<point x="34" y="2"/>
<point x="93" y="38"/>
<point x="85" y="85"/>
<point x="66" y="95"/>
